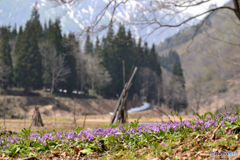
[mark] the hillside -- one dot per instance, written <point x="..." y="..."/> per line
<point x="16" y="106"/>
<point x="216" y="81"/>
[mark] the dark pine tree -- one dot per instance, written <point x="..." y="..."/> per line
<point x="177" y="99"/>
<point x="153" y="62"/>
<point x="132" y="61"/>
<point x="140" y="54"/>
<point x="14" y="32"/>
<point x="5" y="58"/>
<point x="108" y="61"/>
<point x="88" y="48"/>
<point x="154" y="65"/>
<point x="28" y="69"/>
<point x="70" y="62"/>
<point x="16" y="52"/>
<point x="145" y="54"/>
<point x="97" y="46"/>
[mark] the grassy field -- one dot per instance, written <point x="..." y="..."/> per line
<point x="175" y="138"/>
<point x="92" y="121"/>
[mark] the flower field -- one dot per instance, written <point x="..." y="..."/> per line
<point x="173" y="140"/>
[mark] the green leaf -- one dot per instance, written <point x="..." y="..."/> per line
<point x="86" y="151"/>
<point x="161" y="132"/>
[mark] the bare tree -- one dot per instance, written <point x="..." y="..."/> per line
<point x="59" y="70"/>
<point x="97" y="76"/>
<point x="197" y="90"/>
<point x="55" y="70"/>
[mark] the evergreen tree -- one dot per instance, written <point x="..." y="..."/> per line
<point x="108" y="60"/>
<point x="70" y="62"/>
<point x="97" y="46"/>
<point x="88" y="48"/>
<point x="54" y="36"/>
<point x="5" y="58"/>
<point x="16" y="52"/>
<point x="169" y="61"/>
<point x="177" y="99"/>
<point x="145" y="54"/>
<point x="45" y="31"/>
<point x="14" y="32"/>
<point x="131" y="50"/>
<point x="54" y="42"/>
<point x="28" y="69"/>
<point x="35" y="20"/>
<point x="153" y="63"/>
<point x="140" y="55"/>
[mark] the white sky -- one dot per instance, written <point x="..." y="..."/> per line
<point x="204" y="7"/>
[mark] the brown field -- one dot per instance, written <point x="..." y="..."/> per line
<point x="92" y="121"/>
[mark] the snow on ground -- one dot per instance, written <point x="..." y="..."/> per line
<point x="145" y="106"/>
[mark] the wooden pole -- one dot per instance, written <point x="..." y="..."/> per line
<point x="54" y="109"/>
<point x="123" y="109"/>
<point x="74" y="114"/>
<point x="24" y="118"/>
<point x="3" y="109"/>
<point x="84" y="120"/>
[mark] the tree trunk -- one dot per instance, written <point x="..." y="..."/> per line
<point x="36" y="119"/>
<point x="52" y="87"/>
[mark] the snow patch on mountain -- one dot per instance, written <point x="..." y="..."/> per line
<point x="77" y="18"/>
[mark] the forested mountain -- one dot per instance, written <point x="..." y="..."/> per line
<point x="210" y="60"/>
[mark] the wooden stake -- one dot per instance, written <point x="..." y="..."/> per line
<point x="84" y="121"/>
<point x="4" y="109"/>
<point x="54" y="109"/>
<point x="74" y="114"/>
<point x="24" y="118"/>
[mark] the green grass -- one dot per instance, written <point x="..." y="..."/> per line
<point x="183" y="139"/>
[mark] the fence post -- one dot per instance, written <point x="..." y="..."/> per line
<point x="24" y="118"/>
<point x="74" y="114"/>
<point x="4" y="110"/>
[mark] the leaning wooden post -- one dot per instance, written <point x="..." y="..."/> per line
<point x="122" y="99"/>
<point x="123" y="109"/>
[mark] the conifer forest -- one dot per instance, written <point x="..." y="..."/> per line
<point x="36" y="57"/>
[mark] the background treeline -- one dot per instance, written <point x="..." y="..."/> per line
<point x="39" y="57"/>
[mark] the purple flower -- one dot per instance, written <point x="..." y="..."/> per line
<point x="121" y="136"/>
<point x="8" y="145"/>
<point x="100" y="144"/>
<point x="229" y="131"/>
<point x="188" y="124"/>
